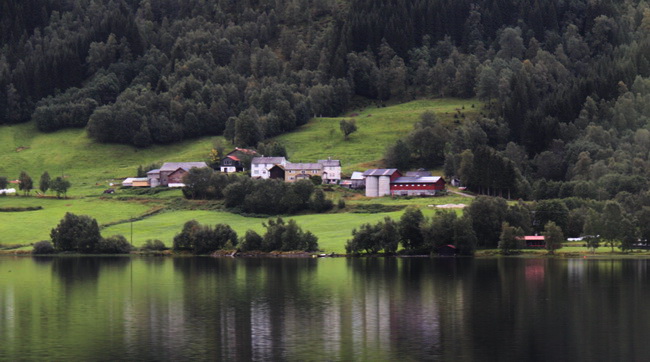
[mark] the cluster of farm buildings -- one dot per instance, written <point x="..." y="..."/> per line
<point x="377" y="182"/>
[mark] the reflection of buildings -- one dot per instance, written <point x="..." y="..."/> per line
<point x="534" y="271"/>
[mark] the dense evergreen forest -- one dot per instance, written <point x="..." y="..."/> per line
<point x="566" y="83"/>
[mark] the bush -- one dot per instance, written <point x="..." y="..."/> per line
<point x="341" y="204"/>
<point x="319" y="203"/>
<point x="43" y="247"/>
<point x="116" y="244"/>
<point x="154" y="245"/>
<point x="251" y="241"/>
<point x="203" y="239"/>
<point x="287" y="237"/>
<point x="76" y="233"/>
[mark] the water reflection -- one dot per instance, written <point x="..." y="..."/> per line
<point x="326" y="309"/>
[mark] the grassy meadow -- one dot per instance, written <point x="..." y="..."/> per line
<point x="91" y="168"/>
<point x="332" y="230"/>
<point x="378" y="128"/>
<point x="30" y="226"/>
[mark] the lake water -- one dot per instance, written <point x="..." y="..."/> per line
<point x="93" y="308"/>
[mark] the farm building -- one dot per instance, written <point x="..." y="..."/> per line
<point x="331" y="171"/>
<point x="378" y="181"/>
<point x="447" y="250"/>
<point x="261" y="166"/>
<point x="234" y="161"/>
<point x="277" y="172"/>
<point x="534" y="241"/>
<point x="418" y="173"/>
<point x="417" y="186"/>
<point x="136" y="182"/>
<point x="302" y="171"/>
<point x="171" y="173"/>
<point x="356" y="182"/>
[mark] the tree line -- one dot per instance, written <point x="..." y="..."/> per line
<point x="564" y="84"/>
<point x="279" y="236"/>
<point x="81" y="234"/>
<point x="490" y="223"/>
<point x="26" y="184"/>
<point x="241" y="193"/>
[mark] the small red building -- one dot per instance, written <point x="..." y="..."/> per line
<point x="417" y="186"/>
<point x="534" y="241"/>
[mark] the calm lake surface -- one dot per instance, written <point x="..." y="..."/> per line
<point x="93" y="308"/>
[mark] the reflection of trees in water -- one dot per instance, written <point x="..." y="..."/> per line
<point x="43" y="260"/>
<point x="246" y="302"/>
<point x="555" y="309"/>
<point x="405" y="304"/>
<point x="83" y="270"/>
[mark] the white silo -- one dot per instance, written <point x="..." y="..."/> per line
<point x="372" y="186"/>
<point x="384" y="186"/>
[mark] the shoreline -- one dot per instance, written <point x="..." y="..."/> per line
<point x="481" y="254"/>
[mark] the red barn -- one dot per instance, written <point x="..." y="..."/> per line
<point x="534" y="241"/>
<point x="417" y="186"/>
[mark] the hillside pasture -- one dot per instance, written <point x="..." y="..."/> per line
<point x="378" y="128"/>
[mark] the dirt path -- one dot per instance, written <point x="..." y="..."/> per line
<point x="461" y="194"/>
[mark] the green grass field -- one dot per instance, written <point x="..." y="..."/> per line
<point x="31" y="226"/>
<point x="332" y="230"/>
<point x="91" y="167"/>
<point x="377" y="129"/>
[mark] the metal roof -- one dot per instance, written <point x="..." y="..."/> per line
<point x="421" y="180"/>
<point x="330" y="163"/>
<point x="418" y="173"/>
<point x="173" y="166"/>
<point x="134" y="179"/>
<point x="271" y="160"/>
<point x="153" y="171"/>
<point x="356" y="175"/>
<point x="303" y="166"/>
<point x="380" y="172"/>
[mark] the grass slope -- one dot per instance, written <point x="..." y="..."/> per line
<point x="90" y="167"/>
<point x="377" y="129"/>
<point x="332" y="230"/>
<point x="31" y="226"/>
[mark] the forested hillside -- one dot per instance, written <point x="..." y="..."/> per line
<point x="566" y="83"/>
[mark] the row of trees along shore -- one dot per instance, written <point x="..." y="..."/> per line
<point x="81" y="234"/>
<point x="488" y="223"/>
<point x="564" y="85"/>
<point x="26" y="184"/>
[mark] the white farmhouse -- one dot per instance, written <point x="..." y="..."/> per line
<point x="331" y="171"/>
<point x="260" y="166"/>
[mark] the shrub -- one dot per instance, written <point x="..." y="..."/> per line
<point x="43" y="247"/>
<point x="203" y="239"/>
<point x="116" y="244"/>
<point x="341" y="204"/>
<point x="251" y="241"/>
<point x="183" y="240"/>
<point x="287" y="236"/>
<point x="76" y="233"/>
<point x="154" y="245"/>
<point x="319" y="203"/>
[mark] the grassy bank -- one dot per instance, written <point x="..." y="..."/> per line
<point x="378" y="127"/>
<point x="91" y="167"/>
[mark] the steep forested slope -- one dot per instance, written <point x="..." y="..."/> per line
<point x="565" y="82"/>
